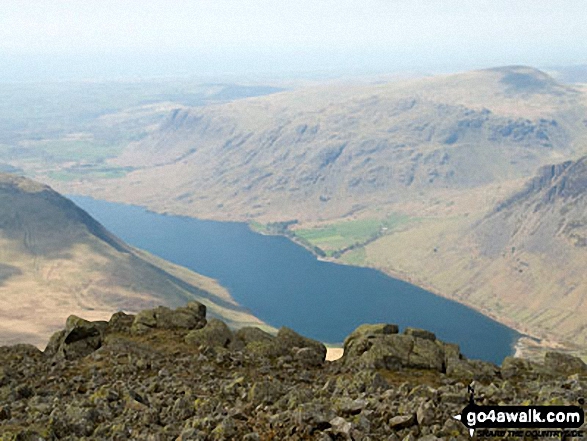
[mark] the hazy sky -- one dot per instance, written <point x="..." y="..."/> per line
<point x="102" y="38"/>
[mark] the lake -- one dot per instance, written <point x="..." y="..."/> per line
<point x="285" y="285"/>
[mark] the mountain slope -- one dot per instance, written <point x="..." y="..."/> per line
<point x="519" y="258"/>
<point x="326" y="151"/>
<point x="55" y="258"/>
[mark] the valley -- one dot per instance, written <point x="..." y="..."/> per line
<point x="402" y="176"/>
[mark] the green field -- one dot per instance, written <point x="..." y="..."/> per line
<point x="346" y="234"/>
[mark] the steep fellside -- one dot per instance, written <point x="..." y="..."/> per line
<point x="522" y="261"/>
<point x="54" y="256"/>
<point x="542" y="232"/>
<point x="327" y="151"/>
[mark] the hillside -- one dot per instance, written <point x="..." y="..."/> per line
<point x="177" y="375"/>
<point x="517" y="256"/>
<point x="55" y="258"/>
<point x="327" y="151"/>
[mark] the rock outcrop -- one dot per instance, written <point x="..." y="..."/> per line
<point x="173" y="375"/>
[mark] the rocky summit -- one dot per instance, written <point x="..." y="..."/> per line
<point x="168" y="374"/>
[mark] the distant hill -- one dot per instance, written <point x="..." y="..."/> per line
<point x="55" y="258"/>
<point x="331" y="150"/>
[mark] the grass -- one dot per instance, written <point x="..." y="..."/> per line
<point x="340" y="236"/>
<point x="68" y="175"/>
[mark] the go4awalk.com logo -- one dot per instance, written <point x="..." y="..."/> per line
<point x="528" y="421"/>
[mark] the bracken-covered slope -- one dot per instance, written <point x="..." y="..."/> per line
<point x="55" y="258"/>
<point x="326" y="151"/>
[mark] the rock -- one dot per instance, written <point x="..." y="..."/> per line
<point x="250" y="334"/>
<point x="215" y="334"/>
<point x="191" y="316"/>
<point x="425" y="414"/>
<point x="5" y="413"/>
<point x="120" y="322"/>
<point x="288" y="339"/>
<point x="265" y="392"/>
<point x="420" y="333"/>
<point x="564" y="363"/>
<point x="156" y="387"/>
<point x="79" y="338"/>
<point x="308" y="357"/>
<point x="340" y="426"/>
<point x="402" y="421"/>
<point x="393" y="352"/>
<point x="512" y="367"/>
<point x="469" y="370"/>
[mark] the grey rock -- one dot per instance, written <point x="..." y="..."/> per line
<point x="191" y="316"/>
<point x="288" y="339"/>
<point x="420" y="333"/>
<point x="402" y="421"/>
<point x="215" y="333"/>
<point x="471" y="370"/>
<point x="564" y="363"/>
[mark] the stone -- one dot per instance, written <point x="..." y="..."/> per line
<point x="425" y="414"/>
<point x="215" y="334"/>
<point x="393" y="352"/>
<point x="340" y="426"/>
<point x="402" y="421"/>
<point x="308" y="357"/>
<point x="469" y="370"/>
<point x="191" y="316"/>
<point x="79" y="338"/>
<point x="251" y="334"/>
<point x="5" y="413"/>
<point x="288" y="339"/>
<point x="564" y="363"/>
<point x="420" y="333"/>
<point x="120" y="322"/>
<point x="265" y="392"/>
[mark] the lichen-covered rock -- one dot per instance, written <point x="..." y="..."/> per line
<point x="215" y="333"/>
<point x="470" y="370"/>
<point x="191" y="316"/>
<point x="564" y="363"/>
<point x="288" y="339"/>
<point x="155" y="386"/>
<point x="250" y="334"/>
<point x="380" y="350"/>
<point x="79" y="338"/>
<point x="420" y="333"/>
<point x="120" y="322"/>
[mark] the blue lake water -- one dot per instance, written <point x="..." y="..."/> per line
<point x="285" y="285"/>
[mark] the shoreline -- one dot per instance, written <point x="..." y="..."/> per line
<point x="527" y="345"/>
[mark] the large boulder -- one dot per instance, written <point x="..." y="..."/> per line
<point x="120" y="322"/>
<point x="289" y="340"/>
<point x="215" y="334"/>
<point x="79" y="338"/>
<point x="379" y="346"/>
<point x="191" y="316"/>
<point x="251" y="334"/>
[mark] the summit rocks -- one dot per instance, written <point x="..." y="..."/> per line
<point x="176" y="375"/>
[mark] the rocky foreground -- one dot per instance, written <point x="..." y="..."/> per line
<point x="174" y="375"/>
